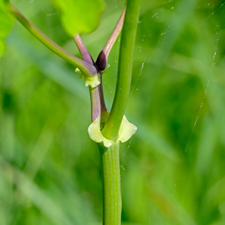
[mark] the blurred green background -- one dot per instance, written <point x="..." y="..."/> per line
<point x="173" y="168"/>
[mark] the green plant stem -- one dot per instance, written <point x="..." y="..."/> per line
<point x="85" y="67"/>
<point x="112" y="203"/>
<point x="113" y="123"/>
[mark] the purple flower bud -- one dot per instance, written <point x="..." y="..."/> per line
<point x="101" y="61"/>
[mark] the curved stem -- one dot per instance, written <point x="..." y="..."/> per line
<point x="112" y="125"/>
<point x="112" y="203"/>
<point x="103" y="55"/>
<point x="109" y="44"/>
<point x="96" y="94"/>
<point x="85" y="67"/>
<point x="86" y="56"/>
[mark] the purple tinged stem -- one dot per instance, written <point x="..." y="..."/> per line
<point x="95" y="102"/>
<point x="109" y="44"/>
<point x="96" y="94"/>
<point x="103" y="56"/>
<point x="103" y="106"/>
<point x="83" y="50"/>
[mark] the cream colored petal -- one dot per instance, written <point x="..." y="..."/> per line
<point x="126" y="131"/>
<point x="96" y="135"/>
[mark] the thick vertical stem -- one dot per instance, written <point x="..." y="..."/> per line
<point x="113" y="123"/>
<point x="112" y="204"/>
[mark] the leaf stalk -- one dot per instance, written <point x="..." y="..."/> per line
<point x="85" y="67"/>
<point x="103" y="56"/>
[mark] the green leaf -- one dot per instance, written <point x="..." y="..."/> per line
<point x="6" y="22"/>
<point x="79" y="16"/>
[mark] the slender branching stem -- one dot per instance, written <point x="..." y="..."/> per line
<point x="113" y="123"/>
<point x="85" y="67"/>
<point x="112" y="202"/>
<point x="95" y="102"/>
<point x="103" y="105"/>
<point x="109" y="44"/>
<point x="96" y="94"/>
<point x="110" y="156"/>
<point x="103" y="56"/>
<point x="83" y="50"/>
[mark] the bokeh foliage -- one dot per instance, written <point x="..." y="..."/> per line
<point x="6" y="22"/>
<point x="73" y="18"/>
<point x="172" y="170"/>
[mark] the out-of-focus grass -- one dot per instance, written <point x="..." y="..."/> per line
<point x="172" y="170"/>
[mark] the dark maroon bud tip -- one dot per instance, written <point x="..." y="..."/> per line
<point x="101" y="61"/>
